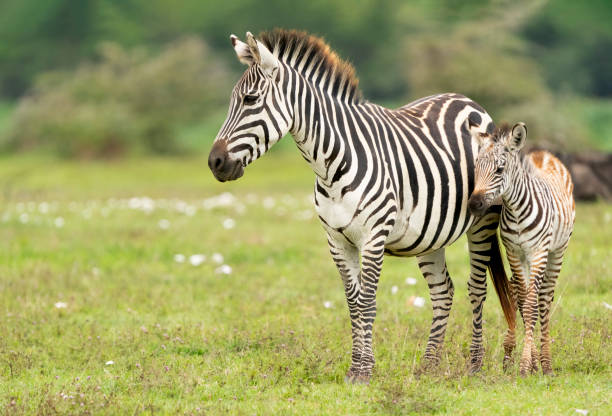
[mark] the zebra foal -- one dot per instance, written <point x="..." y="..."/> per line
<point x="536" y="223"/>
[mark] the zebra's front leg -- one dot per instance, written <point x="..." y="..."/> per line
<point x="371" y="264"/>
<point x="441" y="290"/>
<point x="346" y="257"/>
<point x="480" y="238"/>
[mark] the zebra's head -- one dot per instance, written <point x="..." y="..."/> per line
<point x="496" y="159"/>
<point x="256" y="118"/>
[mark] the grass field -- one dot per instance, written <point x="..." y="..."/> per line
<point x="103" y="312"/>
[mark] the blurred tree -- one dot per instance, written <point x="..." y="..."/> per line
<point x="573" y="42"/>
<point x="127" y="101"/>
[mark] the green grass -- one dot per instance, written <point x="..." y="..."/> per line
<point x="187" y="340"/>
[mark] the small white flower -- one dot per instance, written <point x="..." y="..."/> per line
<point x="582" y="411"/>
<point x="304" y="215"/>
<point x="269" y="202"/>
<point x="327" y="304"/>
<point x="419" y="302"/>
<point x="229" y="223"/>
<point x="164" y="224"/>
<point x="217" y="258"/>
<point x="197" y="259"/>
<point x="411" y="281"/>
<point x="190" y="210"/>
<point x="110" y="362"/>
<point x="43" y="207"/>
<point x="60" y="305"/>
<point x="224" y="269"/>
<point x="179" y="258"/>
<point x="59" y="222"/>
<point x="607" y="305"/>
<point x="24" y="218"/>
<point x="394" y="290"/>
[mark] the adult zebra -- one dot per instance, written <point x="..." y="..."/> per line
<point x="387" y="181"/>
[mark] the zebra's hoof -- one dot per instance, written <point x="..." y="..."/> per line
<point x="357" y="377"/>
<point x="474" y="369"/>
<point x="351" y="375"/>
<point x="362" y="379"/>
<point x="475" y="365"/>
<point x="548" y="371"/>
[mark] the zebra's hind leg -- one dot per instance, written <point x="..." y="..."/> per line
<point x="346" y="257"/>
<point x="545" y="299"/>
<point x="480" y="240"/>
<point x="441" y="290"/>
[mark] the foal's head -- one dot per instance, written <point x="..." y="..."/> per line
<point x="497" y="158"/>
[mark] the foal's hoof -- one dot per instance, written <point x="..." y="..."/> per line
<point x="508" y="361"/>
<point x="548" y="371"/>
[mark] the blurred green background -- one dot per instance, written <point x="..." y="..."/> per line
<point x="107" y="78"/>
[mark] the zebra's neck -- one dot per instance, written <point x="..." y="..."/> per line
<point x="516" y="197"/>
<point x="323" y="127"/>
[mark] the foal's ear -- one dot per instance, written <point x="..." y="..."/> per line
<point x="474" y="130"/>
<point x="516" y="140"/>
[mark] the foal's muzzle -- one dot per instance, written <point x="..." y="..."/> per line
<point x="478" y="203"/>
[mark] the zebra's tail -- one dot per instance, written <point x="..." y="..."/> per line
<point x="501" y="283"/>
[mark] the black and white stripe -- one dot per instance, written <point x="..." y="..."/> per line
<point x="391" y="182"/>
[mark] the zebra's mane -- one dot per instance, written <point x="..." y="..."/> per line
<point x="293" y="46"/>
<point x="501" y="131"/>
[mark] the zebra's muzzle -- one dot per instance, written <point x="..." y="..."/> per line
<point x="221" y="165"/>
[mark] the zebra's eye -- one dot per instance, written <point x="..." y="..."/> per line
<point x="250" y="99"/>
<point x="499" y="170"/>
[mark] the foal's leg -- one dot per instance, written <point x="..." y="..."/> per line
<point x="519" y="293"/>
<point x="530" y="308"/>
<point x="433" y="267"/>
<point x="346" y="257"/>
<point x="547" y="292"/>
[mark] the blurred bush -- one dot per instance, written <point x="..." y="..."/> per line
<point x="486" y="60"/>
<point x="127" y="101"/>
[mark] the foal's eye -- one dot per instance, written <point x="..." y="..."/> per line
<point x="250" y="99"/>
<point x="499" y="170"/>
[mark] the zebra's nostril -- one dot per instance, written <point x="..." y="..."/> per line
<point x="218" y="162"/>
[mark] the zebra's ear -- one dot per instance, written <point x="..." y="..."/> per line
<point x="262" y="55"/>
<point x="242" y="51"/>
<point x="516" y="140"/>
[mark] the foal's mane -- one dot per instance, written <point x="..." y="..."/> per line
<point x="293" y="46"/>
